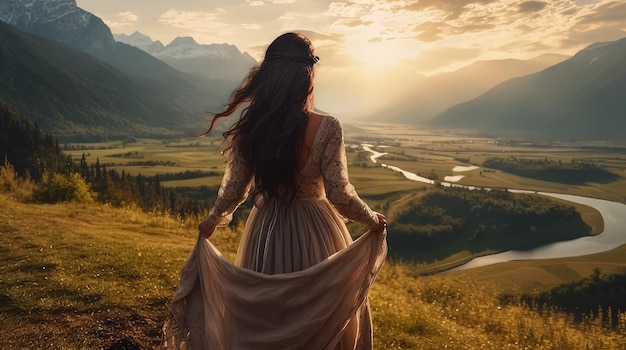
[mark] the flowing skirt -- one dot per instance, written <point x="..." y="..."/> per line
<point x="299" y="282"/>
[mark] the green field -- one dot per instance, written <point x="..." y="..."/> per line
<point x="428" y="153"/>
<point x="424" y="153"/>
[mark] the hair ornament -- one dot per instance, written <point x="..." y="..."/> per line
<point x="311" y="59"/>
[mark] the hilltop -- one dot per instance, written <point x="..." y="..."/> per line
<point x="92" y="276"/>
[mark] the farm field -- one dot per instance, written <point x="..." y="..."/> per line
<point x="425" y="153"/>
<point x="434" y="156"/>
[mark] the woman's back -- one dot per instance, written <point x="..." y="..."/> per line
<point x="301" y="283"/>
<point x="285" y="234"/>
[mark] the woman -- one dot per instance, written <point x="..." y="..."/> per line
<point x="299" y="282"/>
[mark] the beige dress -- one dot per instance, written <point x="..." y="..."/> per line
<point x="298" y="282"/>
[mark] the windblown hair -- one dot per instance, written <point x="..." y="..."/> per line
<point x="270" y="132"/>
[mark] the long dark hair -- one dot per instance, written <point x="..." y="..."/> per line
<point x="270" y="132"/>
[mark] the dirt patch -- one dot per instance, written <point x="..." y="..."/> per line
<point x="101" y="329"/>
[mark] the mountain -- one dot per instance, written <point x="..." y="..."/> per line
<point x="582" y="98"/>
<point x="58" y="19"/>
<point x="140" y="41"/>
<point x="436" y="93"/>
<point x="68" y="92"/>
<point x="215" y="61"/>
<point x="173" y="93"/>
<point x="64" y="21"/>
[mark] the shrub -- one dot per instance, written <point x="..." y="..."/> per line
<point x="64" y="188"/>
<point x="10" y="182"/>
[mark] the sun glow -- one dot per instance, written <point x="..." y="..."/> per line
<point x="375" y="54"/>
<point x="379" y="34"/>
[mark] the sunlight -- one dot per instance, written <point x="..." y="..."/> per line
<point x="375" y="54"/>
<point x="380" y="53"/>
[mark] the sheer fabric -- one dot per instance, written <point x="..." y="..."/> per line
<point x="298" y="281"/>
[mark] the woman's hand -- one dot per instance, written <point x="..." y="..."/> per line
<point x="206" y="228"/>
<point x="382" y="222"/>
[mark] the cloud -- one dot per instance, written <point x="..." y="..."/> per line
<point x="450" y="10"/>
<point x="186" y="19"/>
<point x="123" y="19"/>
<point x="356" y="23"/>
<point x="606" y="13"/>
<point x="127" y="16"/>
<point x="194" y="21"/>
<point x="389" y="31"/>
<point x="429" y="31"/>
<point x="587" y="2"/>
<point x="252" y="26"/>
<point x="434" y="31"/>
<point x="531" y="6"/>
<point x="596" y="23"/>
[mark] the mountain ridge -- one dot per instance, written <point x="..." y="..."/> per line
<point x="434" y="94"/>
<point x="215" y="61"/>
<point x="68" y="92"/>
<point x="582" y="98"/>
<point x="68" y="23"/>
<point x="149" y="95"/>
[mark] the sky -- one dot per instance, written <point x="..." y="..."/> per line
<point x="369" y="45"/>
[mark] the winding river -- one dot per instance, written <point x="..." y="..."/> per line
<point x="613" y="213"/>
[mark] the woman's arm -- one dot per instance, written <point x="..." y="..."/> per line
<point x="233" y="191"/>
<point x="339" y="191"/>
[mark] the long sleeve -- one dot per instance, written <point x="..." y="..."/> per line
<point x="233" y="191"/>
<point x="339" y="191"/>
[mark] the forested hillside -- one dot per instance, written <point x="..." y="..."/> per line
<point x="28" y="148"/>
<point x="443" y="221"/>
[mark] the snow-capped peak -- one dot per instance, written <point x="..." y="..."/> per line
<point x="187" y="47"/>
<point x="216" y="61"/>
<point x="183" y="41"/>
<point x="180" y="48"/>
<point x="24" y="14"/>
<point x="140" y="41"/>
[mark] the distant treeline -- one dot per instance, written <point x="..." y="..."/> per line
<point x="443" y="221"/>
<point x="188" y="174"/>
<point x="595" y="296"/>
<point x="574" y="173"/>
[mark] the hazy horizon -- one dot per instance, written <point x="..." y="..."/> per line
<point x="371" y="51"/>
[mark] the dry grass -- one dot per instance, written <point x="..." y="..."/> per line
<point x="88" y="277"/>
<point x="84" y="277"/>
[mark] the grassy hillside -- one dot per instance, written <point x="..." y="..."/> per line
<point x="77" y="276"/>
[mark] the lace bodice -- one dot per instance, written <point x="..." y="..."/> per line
<point x="325" y="174"/>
